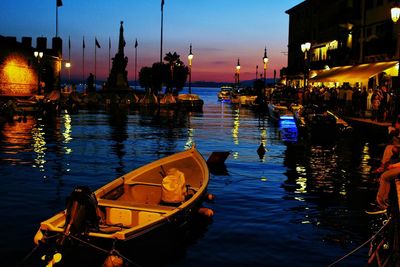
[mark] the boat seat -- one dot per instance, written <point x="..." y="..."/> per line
<point x="134" y="205"/>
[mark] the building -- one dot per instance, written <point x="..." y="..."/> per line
<point x="23" y="72"/>
<point x="350" y="40"/>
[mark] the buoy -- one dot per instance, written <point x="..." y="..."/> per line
<point x="113" y="261"/>
<point x="206" y="212"/>
<point x="38" y="237"/>
<point x="210" y="197"/>
<point x="261" y="151"/>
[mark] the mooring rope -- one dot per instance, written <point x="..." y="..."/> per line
<point x="105" y="251"/>
<point x="28" y="256"/>
<point x="363" y="244"/>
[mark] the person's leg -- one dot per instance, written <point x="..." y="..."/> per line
<point x="382" y="196"/>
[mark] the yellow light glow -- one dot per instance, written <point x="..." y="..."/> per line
<point x="395" y="13"/>
<point x="17" y="77"/>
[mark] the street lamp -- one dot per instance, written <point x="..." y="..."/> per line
<point x="265" y="61"/>
<point x="305" y="48"/>
<point x="68" y="66"/>
<point x="190" y="58"/>
<point x="38" y="55"/>
<point x="238" y="72"/>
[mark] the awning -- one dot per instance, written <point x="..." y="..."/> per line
<point x="353" y="74"/>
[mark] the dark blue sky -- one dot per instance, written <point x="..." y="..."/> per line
<point x="220" y="31"/>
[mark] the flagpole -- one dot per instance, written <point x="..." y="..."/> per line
<point x="95" y="65"/>
<point x="162" y="20"/>
<point x="83" y="61"/>
<point x="136" y="45"/>
<point x="109" y="54"/>
<point x="56" y="19"/>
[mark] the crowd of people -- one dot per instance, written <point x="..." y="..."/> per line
<point x="377" y="104"/>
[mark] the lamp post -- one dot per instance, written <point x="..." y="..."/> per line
<point x="238" y="72"/>
<point x="395" y="15"/>
<point x="305" y="48"/>
<point x="38" y="55"/>
<point x="190" y="58"/>
<point x="265" y="61"/>
<point x="68" y="66"/>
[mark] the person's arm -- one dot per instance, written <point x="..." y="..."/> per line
<point x="394" y="165"/>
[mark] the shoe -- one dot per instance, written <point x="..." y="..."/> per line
<point x="375" y="209"/>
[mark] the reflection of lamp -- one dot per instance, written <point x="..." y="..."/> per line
<point x="190" y="58"/>
<point x="238" y="72"/>
<point x="305" y="48"/>
<point x="265" y="61"/>
<point x="38" y="55"/>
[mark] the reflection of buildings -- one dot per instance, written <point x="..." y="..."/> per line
<point x="20" y="70"/>
<point x="342" y="33"/>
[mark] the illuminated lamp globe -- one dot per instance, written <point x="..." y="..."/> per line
<point x="395" y="13"/>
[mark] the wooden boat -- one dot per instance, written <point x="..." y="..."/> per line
<point x="132" y="204"/>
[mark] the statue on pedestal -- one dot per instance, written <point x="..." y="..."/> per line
<point x="118" y="77"/>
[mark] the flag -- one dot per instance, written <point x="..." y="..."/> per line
<point x="83" y="43"/>
<point x="162" y="5"/>
<point x="109" y="42"/>
<point x="136" y="43"/>
<point x="69" y="42"/>
<point x="59" y="3"/>
<point x="97" y="43"/>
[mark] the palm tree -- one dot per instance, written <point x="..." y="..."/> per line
<point x="177" y="72"/>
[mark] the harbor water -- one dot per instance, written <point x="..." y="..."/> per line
<point x="298" y="205"/>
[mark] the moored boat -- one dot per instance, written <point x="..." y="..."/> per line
<point x="319" y="123"/>
<point x="165" y="191"/>
<point x="190" y="102"/>
<point x="279" y="111"/>
<point x="225" y="93"/>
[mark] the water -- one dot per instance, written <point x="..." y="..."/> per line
<point x="300" y="205"/>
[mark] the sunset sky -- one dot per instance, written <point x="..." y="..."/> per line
<point x="220" y="31"/>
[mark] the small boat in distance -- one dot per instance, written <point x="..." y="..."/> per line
<point x="225" y="93"/>
<point x="168" y="190"/>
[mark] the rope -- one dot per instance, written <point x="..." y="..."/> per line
<point x="28" y="256"/>
<point x="363" y="244"/>
<point x="113" y="251"/>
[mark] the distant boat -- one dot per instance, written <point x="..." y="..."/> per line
<point x="133" y="204"/>
<point x="243" y="96"/>
<point x="190" y="102"/>
<point x="225" y="93"/>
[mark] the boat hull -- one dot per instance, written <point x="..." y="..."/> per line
<point x="132" y="205"/>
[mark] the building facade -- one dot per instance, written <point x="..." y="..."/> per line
<point x="341" y="33"/>
<point x="22" y="74"/>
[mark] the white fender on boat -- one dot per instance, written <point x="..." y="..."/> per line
<point x="206" y="212"/>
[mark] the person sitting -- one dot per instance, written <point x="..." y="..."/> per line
<point x="392" y="172"/>
<point x="392" y="148"/>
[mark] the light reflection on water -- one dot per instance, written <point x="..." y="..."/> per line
<point x="300" y="205"/>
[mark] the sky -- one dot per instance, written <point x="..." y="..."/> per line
<point x="220" y="31"/>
